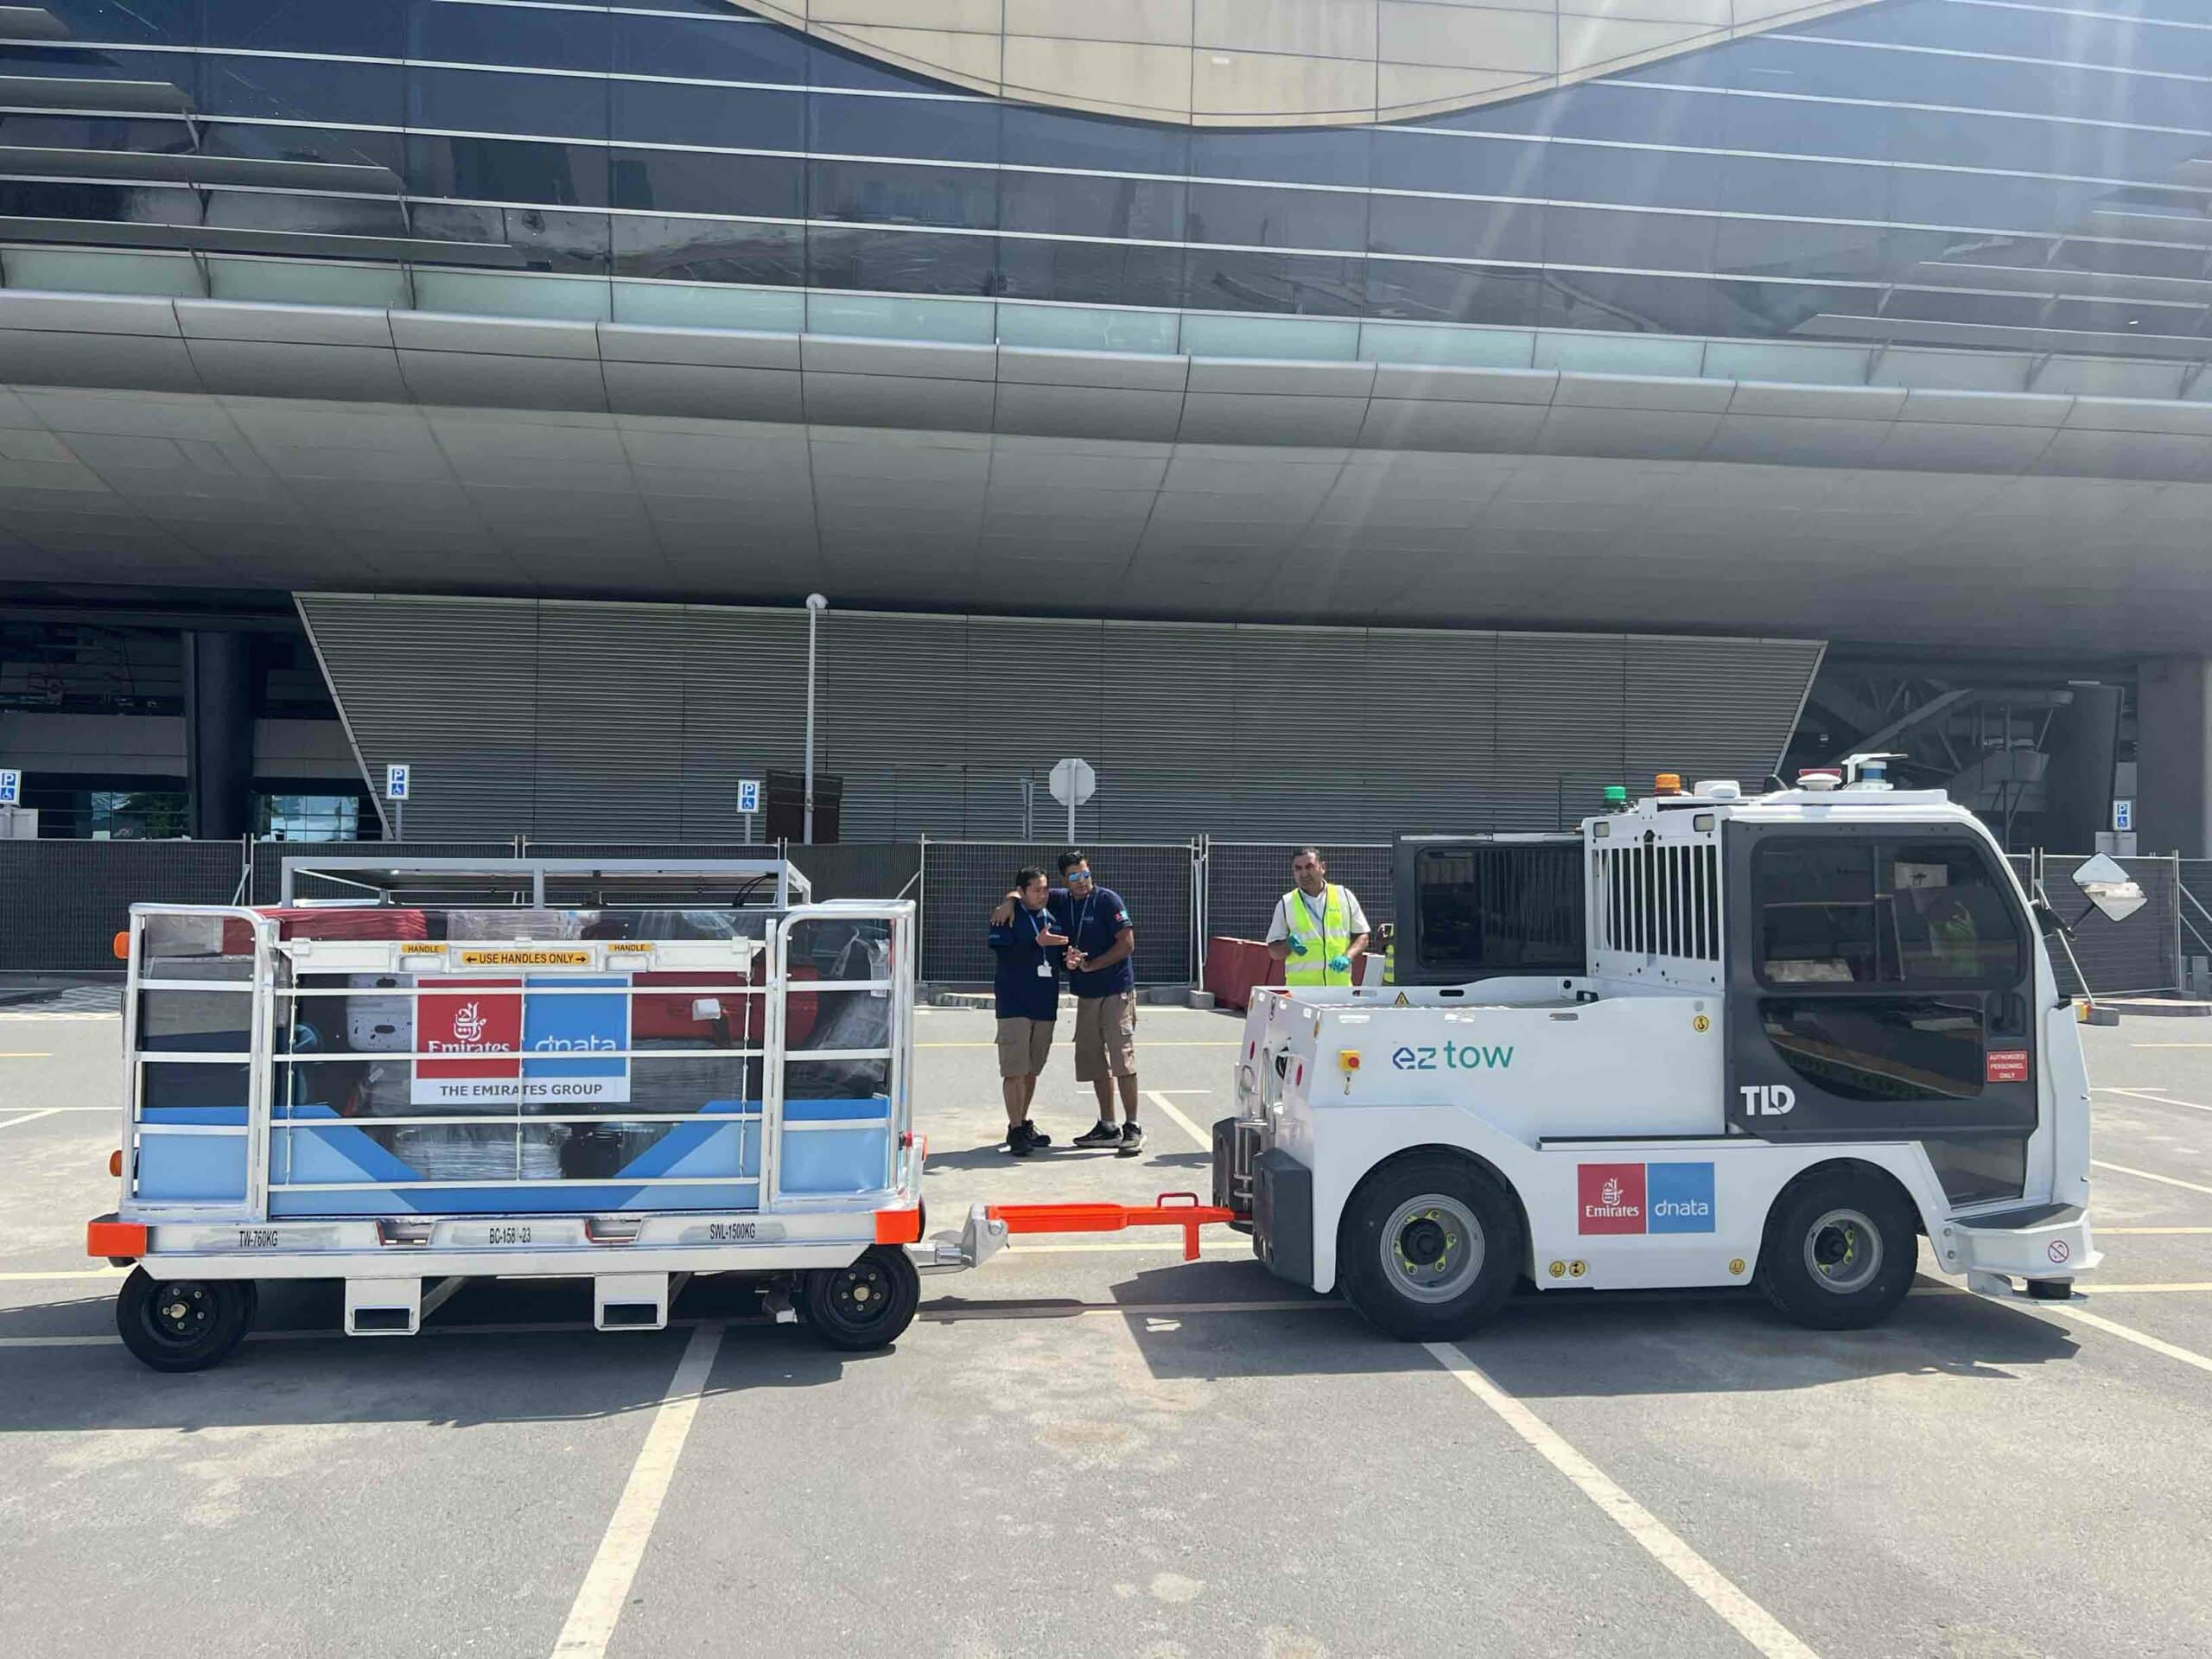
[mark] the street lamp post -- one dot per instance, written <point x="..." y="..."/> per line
<point x="816" y="603"/>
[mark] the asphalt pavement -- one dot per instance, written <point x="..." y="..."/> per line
<point x="1092" y="1447"/>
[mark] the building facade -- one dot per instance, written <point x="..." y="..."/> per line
<point x="1880" y="325"/>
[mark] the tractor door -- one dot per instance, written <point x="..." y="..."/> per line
<point x="1881" y="987"/>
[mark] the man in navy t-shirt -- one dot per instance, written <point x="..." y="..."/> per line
<point x="1026" y="990"/>
<point x="1101" y="942"/>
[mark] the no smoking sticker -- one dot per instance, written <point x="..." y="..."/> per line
<point x="2059" y="1250"/>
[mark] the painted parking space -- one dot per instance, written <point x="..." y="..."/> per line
<point x="1090" y="1445"/>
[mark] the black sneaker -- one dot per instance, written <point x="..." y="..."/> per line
<point x="1132" y="1140"/>
<point x="1020" y="1141"/>
<point x="1037" y="1136"/>
<point x="1100" y="1134"/>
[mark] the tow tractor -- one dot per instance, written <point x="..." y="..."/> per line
<point x="1711" y="1039"/>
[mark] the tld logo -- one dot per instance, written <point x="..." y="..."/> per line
<point x="1768" y="1099"/>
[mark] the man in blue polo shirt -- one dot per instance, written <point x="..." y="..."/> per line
<point x="1101" y="942"/>
<point x="1026" y="990"/>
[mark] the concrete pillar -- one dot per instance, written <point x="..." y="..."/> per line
<point x="218" y="734"/>
<point x="2173" y="756"/>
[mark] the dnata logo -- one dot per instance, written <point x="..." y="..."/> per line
<point x="1644" y="1198"/>
<point x="585" y="1045"/>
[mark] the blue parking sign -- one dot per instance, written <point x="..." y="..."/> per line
<point x="748" y="795"/>
<point x="397" y="778"/>
<point x="11" y="787"/>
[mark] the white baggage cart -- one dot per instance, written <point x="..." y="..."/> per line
<point x="629" y="1072"/>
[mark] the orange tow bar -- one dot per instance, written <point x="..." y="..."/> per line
<point x="1169" y="1209"/>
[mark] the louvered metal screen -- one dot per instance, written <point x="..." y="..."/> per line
<point x="962" y="882"/>
<point x="590" y="721"/>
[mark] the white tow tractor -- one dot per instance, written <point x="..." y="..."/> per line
<point x="1711" y="1039"/>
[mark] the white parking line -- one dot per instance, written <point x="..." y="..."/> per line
<point x="2057" y="1314"/>
<point x="30" y="1118"/>
<point x="2156" y="1096"/>
<point x="2119" y="1169"/>
<point x="1172" y="1111"/>
<point x="1715" y="1589"/>
<point x="606" y="1586"/>
<point x="1750" y="1621"/>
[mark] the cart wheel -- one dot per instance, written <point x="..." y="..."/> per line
<point x="1429" y="1248"/>
<point x="183" y="1325"/>
<point x="1839" y="1253"/>
<point x="867" y="1304"/>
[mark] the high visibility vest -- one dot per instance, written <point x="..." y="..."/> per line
<point x="1333" y="940"/>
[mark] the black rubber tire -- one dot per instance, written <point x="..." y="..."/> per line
<point x="886" y="1283"/>
<point x="1790" y="1283"/>
<point x="1365" y="1282"/>
<point x="220" y="1312"/>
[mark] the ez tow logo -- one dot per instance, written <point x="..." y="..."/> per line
<point x="1768" y="1099"/>
<point x="1453" y="1057"/>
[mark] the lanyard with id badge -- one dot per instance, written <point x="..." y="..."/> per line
<point x="1038" y="919"/>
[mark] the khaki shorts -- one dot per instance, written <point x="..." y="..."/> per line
<point x="1105" y="1036"/>
<point x="1023" y="1045"/>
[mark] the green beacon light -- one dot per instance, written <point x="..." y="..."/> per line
<point x="1615" y="797"/>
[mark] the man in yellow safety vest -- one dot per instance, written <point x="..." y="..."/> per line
<point x="1319" y="932"/>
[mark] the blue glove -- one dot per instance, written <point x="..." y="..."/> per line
<point x="1296" y="945"/>
<point x="1339" y="964"/>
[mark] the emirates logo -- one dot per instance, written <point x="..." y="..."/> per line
<point x="1609" y="1195"/>
<point x="468" y="1026"/>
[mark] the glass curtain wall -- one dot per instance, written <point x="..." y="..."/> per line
<point x="1957" y="172"/>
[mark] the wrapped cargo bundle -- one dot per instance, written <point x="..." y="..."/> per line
<point x="329" y="922"/>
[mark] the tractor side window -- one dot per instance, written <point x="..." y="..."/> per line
<point x="1815" y="901"/>
<point x="1947" y="921"/>
<point x="1834" y="911"/>
<point x="1887" y="1048"/>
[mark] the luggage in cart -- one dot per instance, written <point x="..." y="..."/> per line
<point x="615" y="1078"/>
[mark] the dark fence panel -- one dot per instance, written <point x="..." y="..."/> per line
<point x="890" y="869"/>
<point x="2137" y="954"/>
<point x="961" y="880"/>
<point x="1245" y="878"/>
<point x="64" y="901"/>
<point x="2196" y="907"/>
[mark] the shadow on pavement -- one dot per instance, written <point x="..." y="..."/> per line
<point x="1579" y="1343"/>
<point x="296" y="1369"/>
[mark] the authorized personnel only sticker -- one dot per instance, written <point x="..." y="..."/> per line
<point x="2006" y="1065"/>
